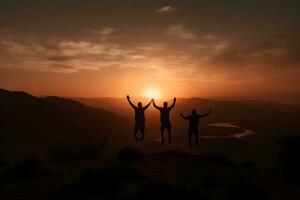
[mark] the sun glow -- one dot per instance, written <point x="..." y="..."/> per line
<point x="152" y="93"/>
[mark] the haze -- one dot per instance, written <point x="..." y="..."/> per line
<point x="210" y="49"/>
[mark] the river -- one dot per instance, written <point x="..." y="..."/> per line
<point x="244" y="133"/>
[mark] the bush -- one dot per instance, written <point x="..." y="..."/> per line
<point x="4" y="164"/>
<point x="218" y="160"/>
<point x="210" y="183"/>
<point x="289" y="151"/>
<point x="25" y="171"/>
<point x="129" y="155"/>
<point x="163" y="190"/>
<point x="69" y="153"/>
<point x="246" y="165"/>
<point x="246" y="191"/>
<point x="107" y="182"/>
<point x="289" y="155"/>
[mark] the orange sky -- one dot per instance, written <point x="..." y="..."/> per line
<point x="181" y="48"/>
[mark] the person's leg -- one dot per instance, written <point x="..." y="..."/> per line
<point x="190" y="133"/>
<point x="142" y="132"/>
<point x="197" y="137"/>
<point x="190" y="140"/>
<point x="162" y="128"/>
<point x="169" y="128"/>
<point x="197" y="144"/>
<point x="136" y="129"/>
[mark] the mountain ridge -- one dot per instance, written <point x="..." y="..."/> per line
<point x="31" y="123"/>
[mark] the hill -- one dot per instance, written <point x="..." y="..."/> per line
<point x="30" y="124"/>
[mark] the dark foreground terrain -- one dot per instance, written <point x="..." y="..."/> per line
<point x="241" y="172"/>
<point x="54" y="148"/>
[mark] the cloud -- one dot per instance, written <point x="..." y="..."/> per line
<point x="215" y="59"/>
<point x="154" y="47"/>
<point x="180" y="31"/>
<point x="104" y="31"/>
<point x="165" y="9"/>
<point x="60" y="55"/>
<point x="58" y="66"/>
<point x="210" y="37"/>
<point x="220" y="47"/>
<point x="263" y="56"/>
<point x="67" y="56"/>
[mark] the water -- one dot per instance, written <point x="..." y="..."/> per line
<point x="244" y="133"/>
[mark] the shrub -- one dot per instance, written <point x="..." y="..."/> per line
<point x="289" y="155"/>
<point x="71" y="153"/>
<point x="246" y="191"/>
<point x="129" y="154"/>
<point x="218" y="160"/>
<point x="107" y="182"/>
<point x="163" y="190"/>
<point x="25" y="171"/>
<point x="4" y="164"/>
<point x="210" y="183"/>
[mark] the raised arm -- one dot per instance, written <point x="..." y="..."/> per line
<point x="173" y="104"/>
<point x="132" y="105"/>
<point x="204" y="115"/>
<point x="183" y="116"/>
<point x="145" y="107"/>
<point x="155" y="106"/>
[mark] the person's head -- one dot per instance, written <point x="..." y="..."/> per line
<point x="194" y="111"/>
<point x="140" y="104"/>
<point x="165" y="104"/>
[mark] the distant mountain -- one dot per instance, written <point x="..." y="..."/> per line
<point x="261" y="116"/>
<point x="30" y="124"/>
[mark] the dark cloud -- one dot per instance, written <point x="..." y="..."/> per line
<point x="282" y="52"/>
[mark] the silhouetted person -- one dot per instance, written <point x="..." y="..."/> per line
<point x="194" y="123"/>
<point x="139" y="118"/>
<point x="165" y="119"/>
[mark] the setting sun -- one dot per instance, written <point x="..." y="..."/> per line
<point x="152" y="93"/>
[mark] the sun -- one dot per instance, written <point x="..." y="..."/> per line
<point x="152" y="93"/>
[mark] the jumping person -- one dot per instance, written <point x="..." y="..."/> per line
<point x="193" y="125"/>
<point x="165" y="119"/>
<point x="139" y="118"/>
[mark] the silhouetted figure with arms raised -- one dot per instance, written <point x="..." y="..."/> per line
<point x="165" y="119"/>
<point x="194" y="123"/>
<point x="139" y="118"/>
